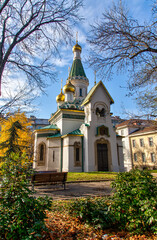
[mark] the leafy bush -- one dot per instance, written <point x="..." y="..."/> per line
<point x="132" y="207"/>
<point x="21" y="215"/>
<point x="93" y="211"/>
<point x="134" y="202"/>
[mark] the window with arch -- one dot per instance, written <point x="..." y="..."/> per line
<point x="80" y="92"/>
<point x="77" y="154"/>
<point x="41" y="154"/>
<point x="100" y="112"/>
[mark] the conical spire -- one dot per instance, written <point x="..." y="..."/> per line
<point x="77" y="74"/>
<point x="77" y="67"/>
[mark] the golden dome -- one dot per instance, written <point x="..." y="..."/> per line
<point x="77" y="47"/>
<point x="69" y="87"/>
<point x="60" y="97"/>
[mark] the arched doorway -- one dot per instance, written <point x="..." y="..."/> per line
<point x="103" y="155"/>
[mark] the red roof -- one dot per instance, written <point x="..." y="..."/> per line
<point x="136" y="123"/>
<point x="145" y="129"/>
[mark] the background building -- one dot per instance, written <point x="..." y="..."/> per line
<point x="137" y="131"/>
<point x="144" y="148"/>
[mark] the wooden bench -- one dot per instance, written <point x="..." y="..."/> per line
<point x="47" y="178"/>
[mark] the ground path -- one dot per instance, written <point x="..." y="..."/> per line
<point x="75" y="190"/>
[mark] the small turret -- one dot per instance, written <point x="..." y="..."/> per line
<point x="60" y="98"/>
<point x="69" y="90"/>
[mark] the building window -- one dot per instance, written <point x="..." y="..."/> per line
<point x="80" y="92"/>
<point x="100" y="112"/>
<point x="135" y="157"/>
<point x="122" y="132"/>
<point x="102" y="130"/>
<point x="77" y="154"/>
<point x="53" y="156"/>
<point x="143" y="157"/>
<point x="141" y="142"/>
<point x="133" y="143"/>
<point x="150" y="141"/>
<point x="41" y="154"/>
<point x="152" y="157"/>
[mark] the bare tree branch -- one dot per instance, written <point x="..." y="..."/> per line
<point x="30" y="34"/>
<point x="119" y="42"/>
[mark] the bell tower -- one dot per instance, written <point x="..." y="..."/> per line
<point x="77" y="74"/>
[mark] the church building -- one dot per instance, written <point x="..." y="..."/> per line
<point x="80" y="136"/>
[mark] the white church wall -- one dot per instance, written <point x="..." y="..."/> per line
<point x="80" y="83"/>
<point x="99" y="99"/>
<point x="84" y="130"/>
<point x="58" y="121"/>
<point x="70" y="125"/>
<point x="72" y="165"/>
<point x="54" y="154"/>
<point x="66" y="153"/>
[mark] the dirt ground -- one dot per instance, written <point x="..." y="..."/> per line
<point x="75" y="190"/>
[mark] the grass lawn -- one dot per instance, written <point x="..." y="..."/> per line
<point x="153" y="171"/>
<point x="90" y="176"/>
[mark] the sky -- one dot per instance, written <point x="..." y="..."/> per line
<point x="91" y="11"/>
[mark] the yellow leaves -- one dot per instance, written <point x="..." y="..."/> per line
<point x="25" y="135"/>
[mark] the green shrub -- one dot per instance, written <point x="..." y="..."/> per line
<point x="21" y="215"/>
<point x="135" y="201"/>
<point x="95" y="211"/>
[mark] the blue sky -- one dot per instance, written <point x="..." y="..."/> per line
<point x="117" y="85"/>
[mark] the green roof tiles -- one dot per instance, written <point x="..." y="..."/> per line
<point x="56" y="135"/>
<point x="77" y="69"/>
<point x="75" y="132"/>
<point x="52" y="126"/>
<point x="48" y="135"/>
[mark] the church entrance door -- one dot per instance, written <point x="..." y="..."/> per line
<point x="102" y="156"/>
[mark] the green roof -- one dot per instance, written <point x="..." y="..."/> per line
<point x="76" y="104"/>
<point x="77" y="69"/>
<point x="52" y="126"/>
<point x="75" y="132"/>
<point x="55" y="135"/>
<point x="92" y="91"/>
<point x="49" y="135"/>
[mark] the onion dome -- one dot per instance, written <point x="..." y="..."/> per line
<point x="60" y="97"/>
<point x="77" y="47"/>
<point x="69" y="87"/>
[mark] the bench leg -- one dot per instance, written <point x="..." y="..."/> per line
<point x="64" y="186"/>
<point x="33" y="187"/>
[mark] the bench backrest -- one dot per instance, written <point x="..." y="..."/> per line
<point x="49" y="177"/>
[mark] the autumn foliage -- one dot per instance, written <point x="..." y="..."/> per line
<point x="21" y="215"/>
<point x="21" y="140"/>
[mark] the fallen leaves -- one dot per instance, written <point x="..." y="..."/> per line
<point x="63" y="226"/>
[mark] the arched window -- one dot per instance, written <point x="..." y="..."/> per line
<point x="80" y="92"/>
<point x="100" y="112"/>
<point x="77" y="154"/>
<point x="41" y="154"/>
